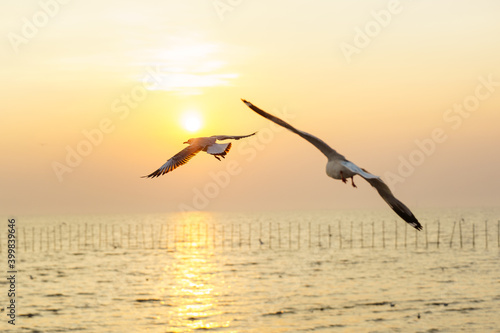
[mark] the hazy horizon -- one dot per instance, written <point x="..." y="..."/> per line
<point x="96" y="95"/>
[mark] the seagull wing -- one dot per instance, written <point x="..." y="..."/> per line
<point x="219" y="148"/>
<point x="178" y="159"/>
<point x="386" y="194"/>
<point x="318" y="143"/>
<point x="232" y="137"/>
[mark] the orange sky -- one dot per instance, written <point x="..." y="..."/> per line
<point x="409" y="90"/>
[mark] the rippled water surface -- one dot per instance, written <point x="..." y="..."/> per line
<point x="257" y="273"/>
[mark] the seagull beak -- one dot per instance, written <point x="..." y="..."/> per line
<point x="186" y="142"/>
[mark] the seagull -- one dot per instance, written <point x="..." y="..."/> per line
<point x="338" y="167"/>
<point x="196" y="145"/>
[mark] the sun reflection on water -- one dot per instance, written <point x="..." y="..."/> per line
<point x="193" y="284"/>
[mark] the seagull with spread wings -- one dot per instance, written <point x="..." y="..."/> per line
<point x="338" y="167"/>
<point x="206" y="144"/>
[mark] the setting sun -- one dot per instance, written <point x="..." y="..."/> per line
<point x="191" y="121"/>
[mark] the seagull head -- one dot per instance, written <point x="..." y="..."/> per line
<point x="190" y="141"/>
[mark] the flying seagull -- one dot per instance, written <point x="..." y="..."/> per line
<point x="196" y="145"/>
<point x="338" y="167"/>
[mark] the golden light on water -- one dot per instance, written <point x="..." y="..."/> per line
<point x="192" y="283"/>
<point x="194" y="291"/>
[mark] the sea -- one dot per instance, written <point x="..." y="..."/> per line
<point x="294" y="271"/>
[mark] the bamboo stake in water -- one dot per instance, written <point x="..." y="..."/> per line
<point x="92" y="235"/>
<point x="351" y="235"/>
<point x="152" y="236"/>
<point x="473" y="235"/>
<point x="121" y="236"/>
<point x="47" y="231"/>
<point x="166" y="237"/>
<point x="232" y="232"/>
<point x="85" y="237"/>
<point x="140" y="236"/>
<point x="362" y="236"/>
<point x="136" y="236"/>
<point x="239" y="234"/>
<point x="249" y="235"/>
<point x="33" y="239"/>
<point x="184" y="233"/>
<point x="143" y="237"/>
<point x="289" y="235"/>
<point x="153" y="240"/>
<point x="439" y="229"/>
<point x="383" y="234"/>
<point x="309" y="234"/>
<point x="24" y="239"/>
<point x="175" y="237"/>
<point x="486" y="233"/>
<point x="57" y="240"/>
<point x="279" y="236"/>
<point x="213" y="235"/>
<point x="128" y="236"/>
<point x="113" y="241"/>
<point x="416" y="238"/>
<point x="206" y="235"/>
<point x="48" y="239"/>
<point x="395" y="234"/>
<point x="19" y="239"/>
<point x="260" y="235"/>
<point x="54" y="238"/>
<point x="61" y="237"/>
<point x="460" y="231"/>
<point x="329" y="237"/>
<point x="223" y="236"/>
<point x="298" y="235"/>
<point x="340" y="235"/>
<point x="40" y="237"/>
<point x="319" y="235"/>
<point x="452" y="232"/>
<point x="373" y="234"/>
<point x="426" y="238"/>
<point x="406" y="234"/>
<point x="189" y="234"/>
<point x="270" y="232"/>
<point x="106" y="243"/>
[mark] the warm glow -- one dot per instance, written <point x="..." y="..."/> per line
<point x="191" y="121"/>
<point x="375" y="80"/>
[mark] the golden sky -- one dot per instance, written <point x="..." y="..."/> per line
<point x="95" y="95"/>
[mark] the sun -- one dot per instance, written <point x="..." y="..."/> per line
<point x="191" y="121"/>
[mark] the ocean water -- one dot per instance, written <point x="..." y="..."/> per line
<point x="256" y="272"/>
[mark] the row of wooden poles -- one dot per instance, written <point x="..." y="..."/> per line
<point x="64" y="237"/>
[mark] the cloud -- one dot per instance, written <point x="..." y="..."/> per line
<point x="188" y="65"/>
<point x="187" y="83"/>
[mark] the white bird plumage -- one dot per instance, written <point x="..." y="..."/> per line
<point x="207" y="144"/>
<point x="338" y="167"/>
